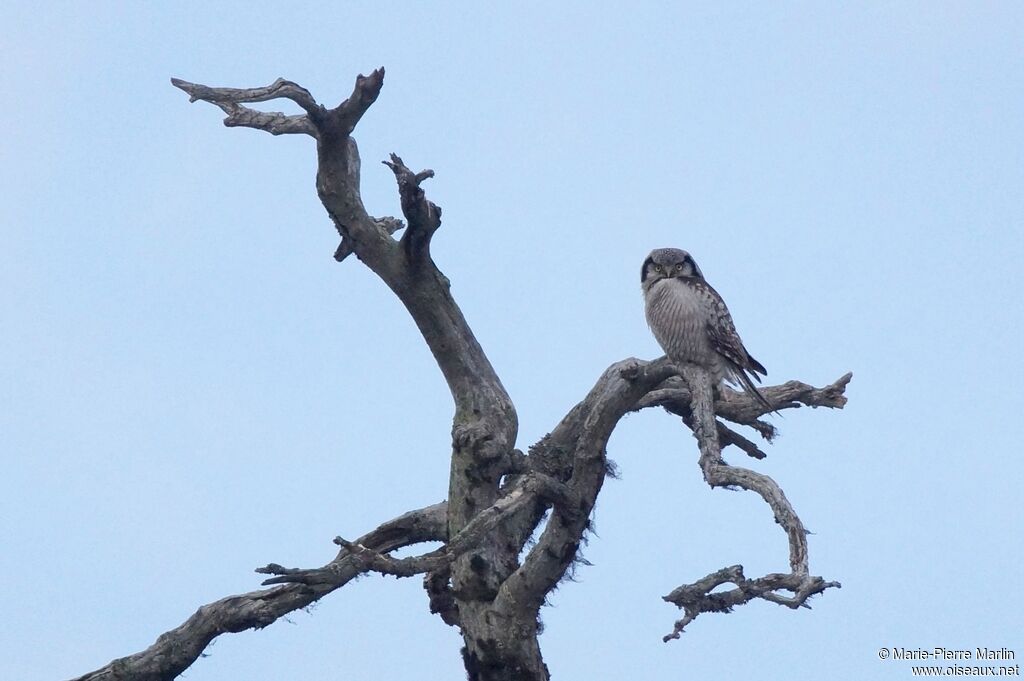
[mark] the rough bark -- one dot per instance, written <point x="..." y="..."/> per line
<point x="174" y="651"/>
<point x="497" y="495"/>
<point x="696" y="598"/>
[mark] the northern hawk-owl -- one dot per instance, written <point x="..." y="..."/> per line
<point x="691" y="322"/>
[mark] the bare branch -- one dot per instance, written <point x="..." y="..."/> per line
<point x="424" y="216"/>
<point x="727" y="436"/>
<point x="387" y="224"/>
<point x="178" y="648"/>
<point x="279" y="89"/>
<point x="442" y="600"/>
<point x="364" y="94"/>
<point x="739" y="407"/>
<point x="331" y="127"/>
<point x="582" y="435"/>
<point x="397" y="567"/>
<point x="525" y="491"/>
<point x="230" y="102"/>
<point x="789" y="395"/>
<point x="273" y="122"/>
<point x="343" y="118"/>
<point x="669" y="400"/>
<point x="411" y="528"/>
<point x="697" y="598"/>
<point x="485" y="424"/>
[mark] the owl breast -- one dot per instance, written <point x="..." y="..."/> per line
<point x="677" y="315"/>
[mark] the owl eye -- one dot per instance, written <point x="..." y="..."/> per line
<point x="679" y="267"/>
<point x="659" y="269"/>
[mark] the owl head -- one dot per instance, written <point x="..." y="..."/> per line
<point x="668" y="263"/>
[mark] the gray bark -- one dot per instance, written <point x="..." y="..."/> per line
<point x="497" y="496"/>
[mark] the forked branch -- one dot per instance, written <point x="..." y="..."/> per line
<point x="674" y="396"/>
<point x="230" y="101"/>
<point x="175" y="650"/>
<point x="698" y="597"/>
<point x="424" y="216"/>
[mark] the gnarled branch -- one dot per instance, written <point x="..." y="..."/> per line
<point x="578" y="445"/>
<point x="230" y="101"/>
<point x="700" y="596"/>
<point x="697" y="598"/>
<point x="175" y="650"/>
<point x="424" y="216"/>
<point x="485" y="425"/>
<point x="674" y="396"/>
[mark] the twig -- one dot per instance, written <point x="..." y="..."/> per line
<point x="700" y="596"/>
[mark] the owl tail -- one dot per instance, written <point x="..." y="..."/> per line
<point x="752" y="390"/>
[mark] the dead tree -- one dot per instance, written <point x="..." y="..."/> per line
<point x="497" y="495"/>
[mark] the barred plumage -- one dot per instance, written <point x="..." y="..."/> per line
<point x="691" y="322"/>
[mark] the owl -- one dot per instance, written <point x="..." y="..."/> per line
<point x="692" y="324"/>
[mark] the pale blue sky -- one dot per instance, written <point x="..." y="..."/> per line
<point x="190" y="386"/>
